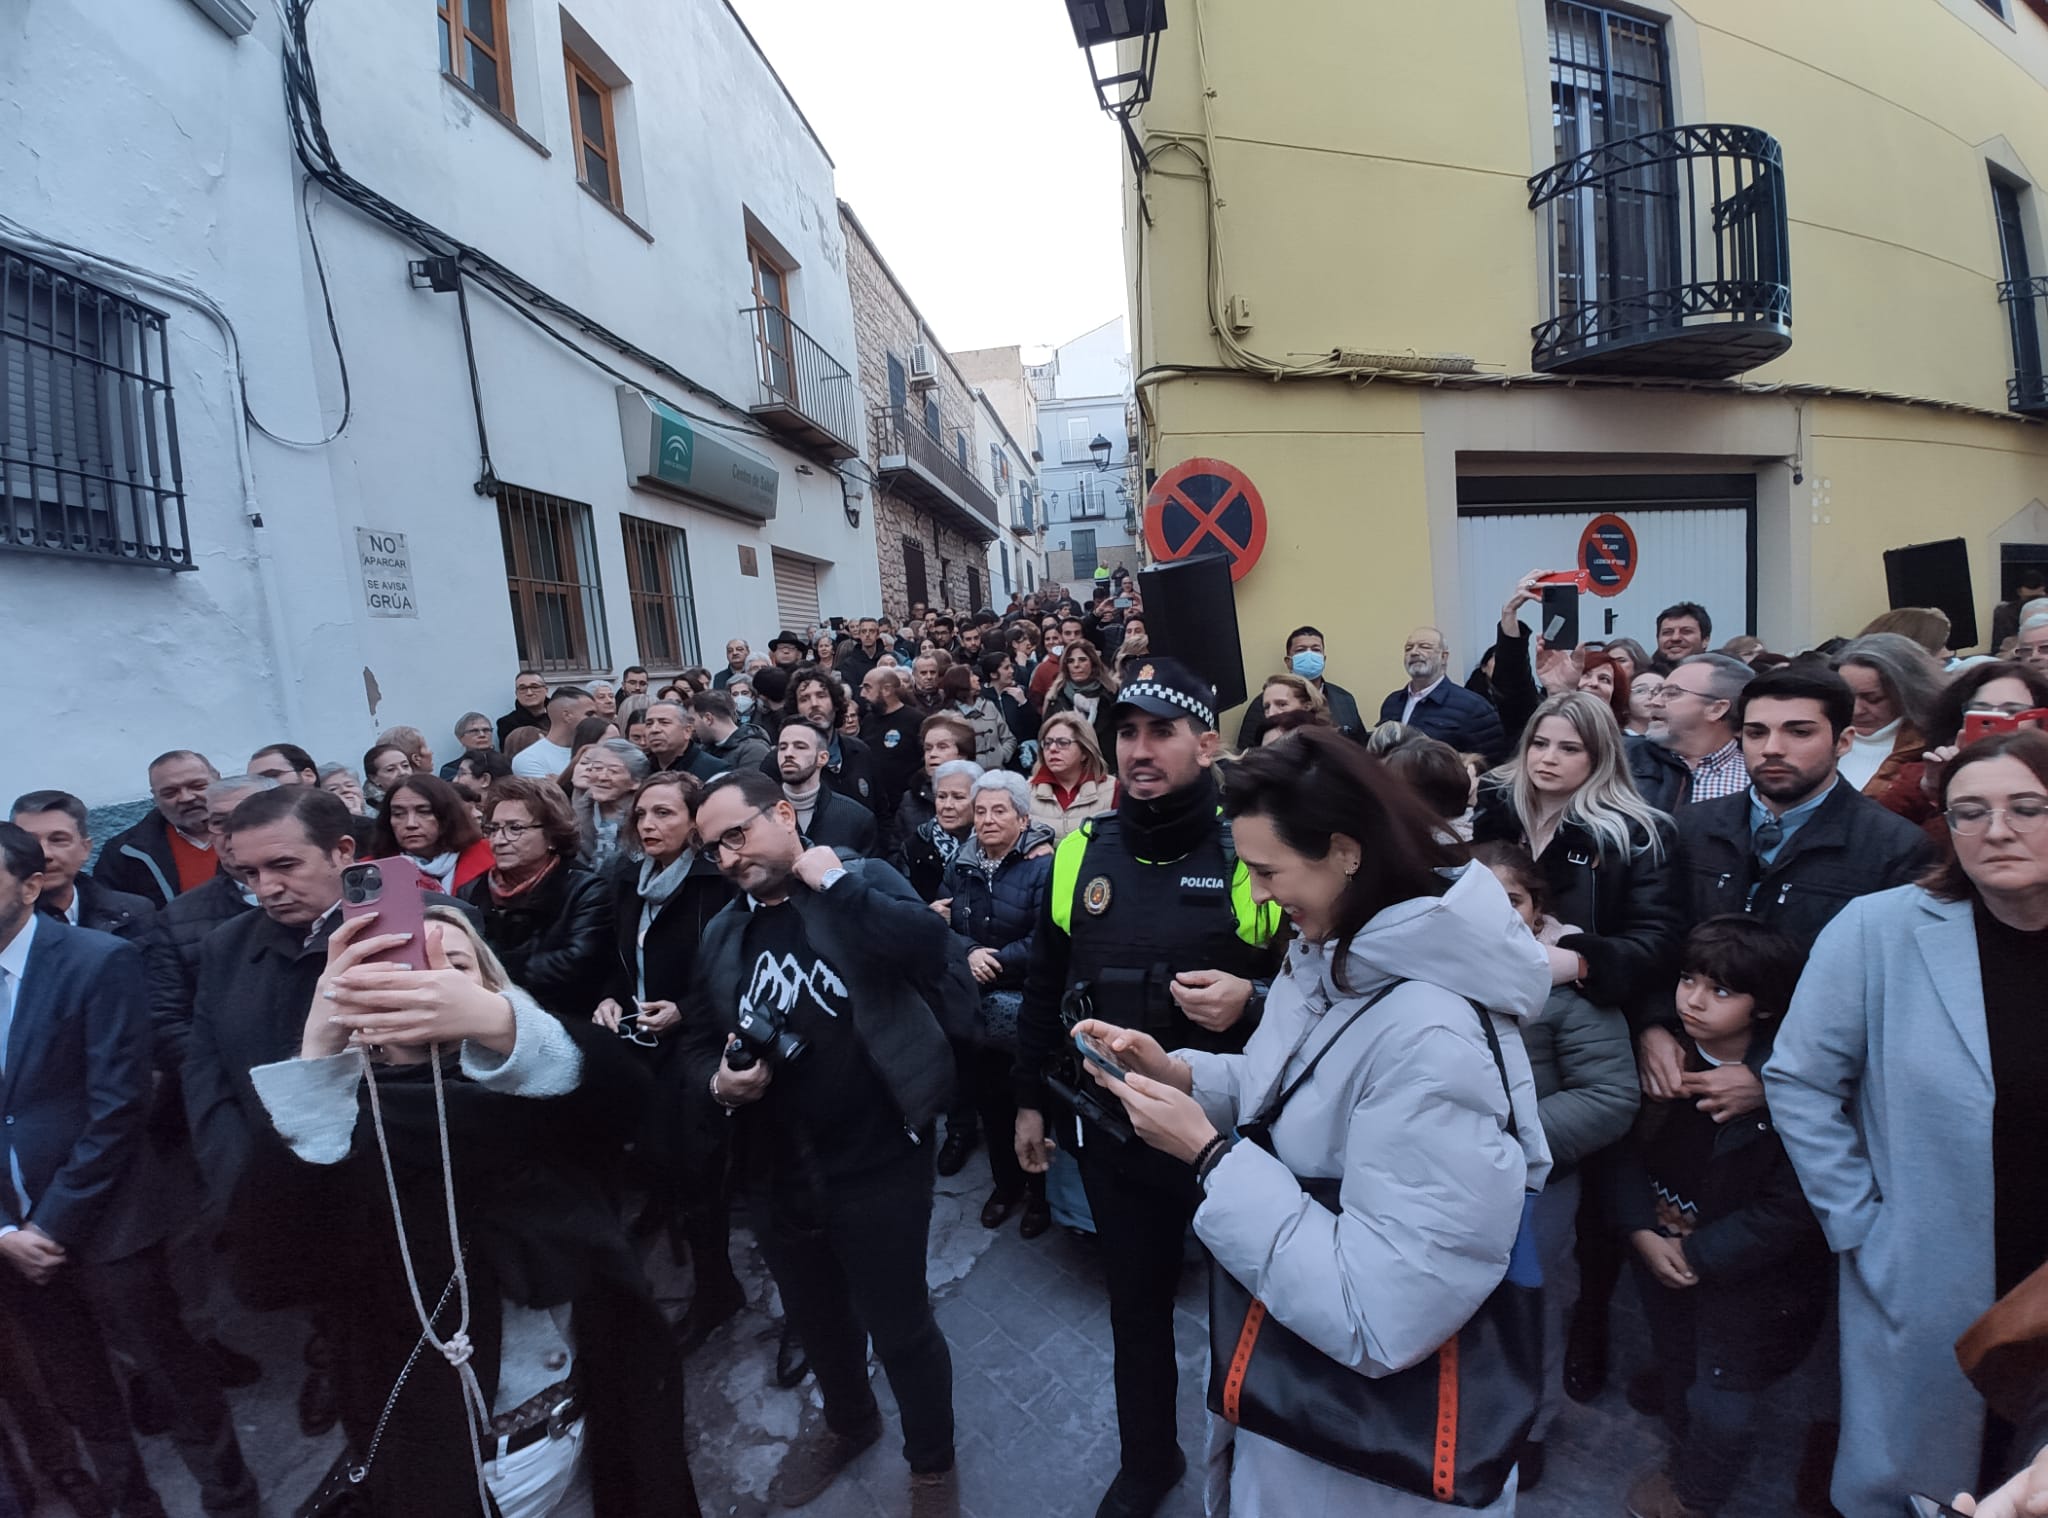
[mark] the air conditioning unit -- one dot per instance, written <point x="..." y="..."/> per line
<point x="924" y="373"/>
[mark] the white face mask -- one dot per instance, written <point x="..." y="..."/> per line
<point x="1058" y="649"/>
<point x="743" y="705"/>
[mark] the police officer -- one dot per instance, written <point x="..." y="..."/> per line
<point x="1151" y="923"/>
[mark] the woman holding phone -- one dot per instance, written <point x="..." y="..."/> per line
<point x="1405" y="1111"/>
<point x="502" y="1126"/>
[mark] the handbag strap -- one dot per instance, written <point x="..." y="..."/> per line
<point x="357" y="1473"/>
<point x="1271" y="1112"/>
<point x="1499" y="1063"/>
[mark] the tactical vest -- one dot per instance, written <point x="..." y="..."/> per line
<point x="1129" y="920"/>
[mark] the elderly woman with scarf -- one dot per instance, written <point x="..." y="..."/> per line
<point x="601" y="785"/>
<point x="501" y="1338"/>
<point x="662" y="897"/>
<point x="548" y="920"/>
<point x="996" y="885"/>
<point x="425" y="819"/>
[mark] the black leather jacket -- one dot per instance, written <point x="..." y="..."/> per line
<point x="556" y="940"/>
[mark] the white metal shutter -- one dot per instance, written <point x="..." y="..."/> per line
<point x="796" y="591"/>
<point x="1684" y="554"/>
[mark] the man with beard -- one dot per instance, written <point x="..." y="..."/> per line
<point x="844" y="957"/>
<point x="1434" y="704"/>
<point x="1150" y="913"/>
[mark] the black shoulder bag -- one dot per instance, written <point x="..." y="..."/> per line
<point x="1448" y="1428"/>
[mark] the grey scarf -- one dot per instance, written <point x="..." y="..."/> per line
<point x="657" y="885"/>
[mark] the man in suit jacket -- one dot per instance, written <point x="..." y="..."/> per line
<point x="824" y="815"/>
<point x="82" y="1263"/>
<point x="59" y="822"/>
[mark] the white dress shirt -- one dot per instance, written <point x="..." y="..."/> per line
<point x="1417" y="697"/>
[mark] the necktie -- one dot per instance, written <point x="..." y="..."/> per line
<point x="1766" y="837"/>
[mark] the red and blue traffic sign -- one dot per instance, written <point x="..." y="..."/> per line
<point x="1607" y="553"/>
<point x="1203" y="506"/>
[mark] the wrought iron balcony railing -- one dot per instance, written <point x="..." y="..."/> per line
<point x="2026" y="306"/>
<point x="910" y="460"/>
<point x="1670" y="255"/>
<point x="805" y="393"/>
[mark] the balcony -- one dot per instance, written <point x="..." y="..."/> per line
<point x="2026" y="306"/>
<point x="920" y="468"/>
<point x="805" y="393"/>
<point x="1670" y="256"/>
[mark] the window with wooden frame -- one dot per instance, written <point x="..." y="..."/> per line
<point x="551" y="571"/>
<point x="473" y="50"/>
<point x="658" y="580"/>
<point x="597" y="138"/>
<point x="771" y="318"/>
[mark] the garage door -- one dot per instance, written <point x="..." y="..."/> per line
<point x="796" y="591"/>
<point x="1695" y="537"/>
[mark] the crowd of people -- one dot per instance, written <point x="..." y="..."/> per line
<point x="1711" y="967"/>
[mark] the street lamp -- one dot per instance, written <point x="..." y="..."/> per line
<point x="1099" y="451"/>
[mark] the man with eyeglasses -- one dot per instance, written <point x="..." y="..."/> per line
<point x="530" y="707"/>
<point x="473" y="733"/>
<point x="1691" y="753"/>
<point x="846" y="986"/>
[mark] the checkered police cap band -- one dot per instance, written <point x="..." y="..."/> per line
<point x="1152" y="690"/>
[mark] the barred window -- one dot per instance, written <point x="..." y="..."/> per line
<point x="658" y="578"/>
<point x="551" y="570"/>
<point x="89" y="463"/>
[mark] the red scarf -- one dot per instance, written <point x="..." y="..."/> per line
<point x="501" y="892"/>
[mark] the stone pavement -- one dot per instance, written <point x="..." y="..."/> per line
<point x="1029" y="1328"/>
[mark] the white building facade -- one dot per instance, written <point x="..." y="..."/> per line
<point x="1092" y="495"/>
<point x="1016" y="559"/>
<point x="586" y="274"/>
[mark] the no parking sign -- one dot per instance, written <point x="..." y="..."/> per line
<point x="1607" y="554"/>
<point x="1206" y="506"/>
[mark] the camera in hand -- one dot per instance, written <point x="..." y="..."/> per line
<point x="764" y="1034"/>
<point x="1073" y="1085"/>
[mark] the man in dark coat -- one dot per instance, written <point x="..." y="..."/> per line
<point x="82" y="1264"/>
<point x="530" y="708"/>
<point x="825" y="817"/>
<point x="849" y="765"/>
<point x="58" y="820"/>
<point x="846" y="957"/>
<point x="672" y="742"/>
<point x="1305" y="657"/>
<point x="168" y="852"/>
<point x="1433" y="703"/>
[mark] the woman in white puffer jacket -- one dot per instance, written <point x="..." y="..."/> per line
<point x="1409" y="1110"/>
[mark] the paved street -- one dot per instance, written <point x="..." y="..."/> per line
<point x="1029" y="1328"/>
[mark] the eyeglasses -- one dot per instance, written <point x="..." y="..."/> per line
<point x="1056" y="743"/>
<point x="1667" y="690"/>
<point x="511" y="832"/>
<point x="631" y="1031"/>
<point x="1966" y="819"/>
<point x="735" y="838"/>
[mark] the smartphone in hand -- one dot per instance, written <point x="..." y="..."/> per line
<point x="1098" y="1056"/>
<point x="389" y="890"/>
<point x="1926" y="1507"/>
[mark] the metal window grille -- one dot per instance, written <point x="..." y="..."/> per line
<point x="89" y="463"/>
<point x="551" y="571"/>
<point x="973" y="588"/>
<point x="1004" y="554"/>
<point x="658" y="581"/>
<point x="2023" y="294"/>
<point x="1609" y="80"/>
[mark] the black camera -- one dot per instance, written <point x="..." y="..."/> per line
<point x="765" y="1035"/>
<point x="366" y="884"/>
<point x="1072" y="1085"/>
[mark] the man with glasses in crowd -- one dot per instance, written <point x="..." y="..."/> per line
<point x="1691" y="753"/>
<point x="826" y="994"/>
<point x="529" y="709"/>
<point x="473" y="734"/>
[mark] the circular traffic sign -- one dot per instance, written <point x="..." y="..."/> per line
<point x="1607" y="553"/>
<point x="1206" y="506"/>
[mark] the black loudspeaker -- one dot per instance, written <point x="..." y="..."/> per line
<point x="2014" y="558"/>
<point x="1935" y="574"/>
<point x="1191" y="615"/>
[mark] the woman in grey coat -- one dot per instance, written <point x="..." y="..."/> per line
<point x="1409" y="1111"/>
<point x="1907" y="1087"/>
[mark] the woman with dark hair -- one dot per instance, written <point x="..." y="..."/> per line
<point x="425" y="819"/>
<point x="1630" y="655"/>
<point x="549" y="921"/>
<point x="661" y="899"/>
<point x="494" y="1131"/>
<point x="1907" y="1084"/>
<point x="384" y="765"/>
<point x="1992" y="688"/>
<point x="1087" y="687"/>
<point x="1898" y="685"/>
<point x="1374" y="1211"/>
<point x="994" y="743"/>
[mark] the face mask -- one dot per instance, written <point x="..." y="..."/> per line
<point x="743" y="705"/>
<point x="1308" y="664"/>
<point x="1058" y="649"/>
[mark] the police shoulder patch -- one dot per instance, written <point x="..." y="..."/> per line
<point x="1095" y="896"/>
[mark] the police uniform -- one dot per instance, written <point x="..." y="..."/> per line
<point x="1134" y="900"/>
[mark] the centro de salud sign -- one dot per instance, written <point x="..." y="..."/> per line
<point x="668" y="452"/>
<point x="386" y="564"/>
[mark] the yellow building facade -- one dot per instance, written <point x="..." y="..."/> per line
<point x="1337" y="279"/>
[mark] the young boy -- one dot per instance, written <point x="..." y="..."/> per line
<point x="1730" y="1262"/>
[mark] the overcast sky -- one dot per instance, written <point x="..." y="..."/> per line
<point x="967" y="139"/>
